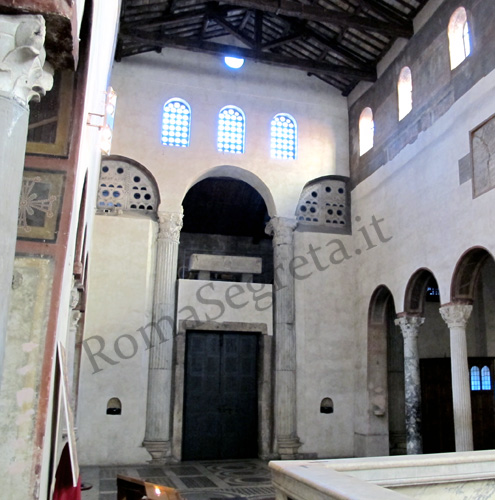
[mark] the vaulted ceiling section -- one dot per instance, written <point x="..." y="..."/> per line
<point x="337" y="41"/>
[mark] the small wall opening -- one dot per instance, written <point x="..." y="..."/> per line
<point x="114" y="406"/>
<point x="326" y="405"/>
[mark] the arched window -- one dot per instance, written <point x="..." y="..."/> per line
<point x="486" y="381"/>
<point x="231" y="130"/>
<point x="459" y="37"/>
<point x="176" y="123"/>
<point x="404" y="92"/>
<point x="283" y="137"/>
<point x="366" y="131"/>
<point x="475" y="379"/>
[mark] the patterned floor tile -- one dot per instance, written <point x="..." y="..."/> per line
<point x="209" y="480"/>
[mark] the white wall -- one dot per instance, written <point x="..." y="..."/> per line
<point x="431" y="218"/>
<point x="119" y="303"/>
<point x="326" y="343"/>
<point x="145" y="82"/>
<point x="224" y="301"/>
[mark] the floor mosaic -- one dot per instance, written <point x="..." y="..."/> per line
<point x="209" y="480"/>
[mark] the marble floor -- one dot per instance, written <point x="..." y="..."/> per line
<point x="208" y="480"/>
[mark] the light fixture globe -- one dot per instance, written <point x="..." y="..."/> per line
<point x="233" y="62"/>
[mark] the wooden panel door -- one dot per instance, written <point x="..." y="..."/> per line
<point x="221" y="397"/>
<point x="437" y="406"/>
<point x="437" y="409"/>
<point x="483" y="407"/>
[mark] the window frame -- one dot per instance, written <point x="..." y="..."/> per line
<point x="404" y="92"/>
<point x="188" y="107"/>
<point x="369" y="141"/>
<point x="459" y="30"/>
<point x="273" y="137"/>
<point x="219" y="117"/>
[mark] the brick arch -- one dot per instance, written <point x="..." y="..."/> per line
<point x="414" y="299"/>
<point x="466" y="273"/>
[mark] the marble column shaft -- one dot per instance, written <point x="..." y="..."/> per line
<point x="409" y="326"/>
<point x="158" y="410"/>
<point x="288" y="442"/>
<point x="24" y="76"/>
<point x="456" y="316"/>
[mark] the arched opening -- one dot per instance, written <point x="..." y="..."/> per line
<point x="225" y="361"/>
<point x="474" y="283"/>
<point x="422" y="299"/>
<point x="404" y="92"/>
<point x="459" y="37"/>
<point x="366" y="131"/>
<point x="225" y="216"/>
<point x="385" y="376"/>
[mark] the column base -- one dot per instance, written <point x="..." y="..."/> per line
<point x="159" y="451"/>
<point x="288" y="447"/>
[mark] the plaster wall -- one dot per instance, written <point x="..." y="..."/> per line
<point x="218" y="302"/>
<point x="325" y="342"/>
<point x="145" y="82"/>
<point x="119" y="303"/>
<point x="431" y="218"/>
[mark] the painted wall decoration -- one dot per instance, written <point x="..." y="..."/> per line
<point x="49" y="119"/>
<point x="39" y="205"/>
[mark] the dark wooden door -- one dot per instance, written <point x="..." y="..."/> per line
<point x="221" y="396"/>
<point x="483" y="406"/>
<point x="437" y="410"/>
<point x="437" y="407"/>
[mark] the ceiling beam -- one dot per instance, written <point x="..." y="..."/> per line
<point x="168" y="20"/>
<point x="383" y="10"/>
<point x="231" y="29"/>
<point x="290" y="8"/>
<point x="283" y="40"/>
<point x="213" y="48"/>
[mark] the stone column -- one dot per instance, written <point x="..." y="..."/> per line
<point x="157" y="438"/>
<point x="24" y="75"/>
<point x="288" y="443"/>
<point x="456" y="316"/>
<point x="409" y="326"/>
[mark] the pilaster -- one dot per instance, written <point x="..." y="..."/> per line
<point x="158" y="411"/>
<point x="282" y="230"/>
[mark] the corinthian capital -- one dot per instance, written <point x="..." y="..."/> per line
<point x="282" y="229"/>
<point x="170" y="224"/>
<point x="409" y="325"/>
<point x="456" y="315"/>
<point x="24" y="73"/>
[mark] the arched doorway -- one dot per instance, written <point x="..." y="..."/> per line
<point x="474" y="283"/>
<point x="224" y="381"/>
<point x="422" y="299"/>
<point x="385" y="375"/>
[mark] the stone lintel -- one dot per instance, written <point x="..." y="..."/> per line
<point x="225" y="264"/>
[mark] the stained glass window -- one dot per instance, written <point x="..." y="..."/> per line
<point x="176" y="124"/>
<point x="486" y="381"/>
<point x="231" y="130"/>
<point x="475" y="379"/>
<point x="283" y="137"/>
